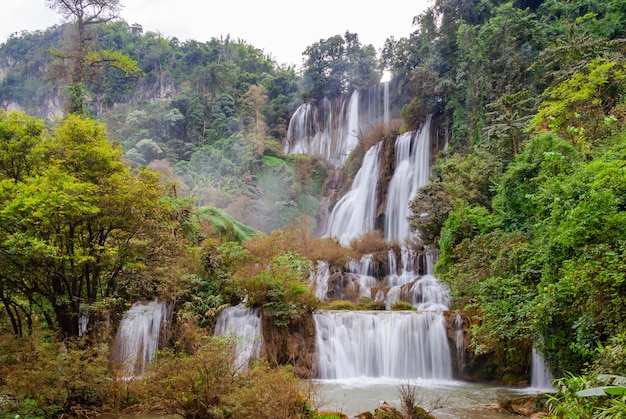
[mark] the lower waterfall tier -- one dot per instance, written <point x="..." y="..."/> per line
<point x="392" y="344"/>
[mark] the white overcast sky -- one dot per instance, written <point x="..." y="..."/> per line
<point x="281" y="28"/>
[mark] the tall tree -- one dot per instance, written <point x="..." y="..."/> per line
<point x="76" y="224"/>
<point x="83" y="61"/>
<point x="336" y="65"/>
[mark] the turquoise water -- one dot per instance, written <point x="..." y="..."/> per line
<point x="459" y="399"/>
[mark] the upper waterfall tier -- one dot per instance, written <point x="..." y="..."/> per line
<point x="355" y="213"/>
<point x="412" y="169"/>
<point x="330" y="129"/>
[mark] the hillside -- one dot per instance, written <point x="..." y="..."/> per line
<point x="519" y="112"/>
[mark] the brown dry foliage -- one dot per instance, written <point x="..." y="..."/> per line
<point x="331" y="251"/>
<point x="370" y="243"/>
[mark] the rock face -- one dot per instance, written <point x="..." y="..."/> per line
<point x="290" y="346"/>
<point x="161" y="88"/>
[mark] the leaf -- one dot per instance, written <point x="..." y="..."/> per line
<point x="617" y="380"/>
<point x="594" y="391"/>
<point x="615" y="391"/>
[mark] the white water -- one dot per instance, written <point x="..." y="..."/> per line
<point x="325" y="129"/>
<point x="354" y="214"/>
<point x="459" y="342"/>
<point x="319" y="280"/>
<point x="540" y="376"/>
<point x="138" y="336"/>
<point x="386" y="103"/>
<point x="391" y="344"/>
<point x="310" y="130"/>
<point x="243" y="325"/>
<point x="350" y="136"/>
<point x="412" y="169"/>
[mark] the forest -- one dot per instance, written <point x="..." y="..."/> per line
<point x="135" y="167"/>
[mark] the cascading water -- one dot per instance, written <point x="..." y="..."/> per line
<point x="243" y="324"/>
<point x="363" y="272"/>
<point x="386" y="104"/>
<point x="325" y="129"/>
<point x="459" y="342"/>
<point x="319" y="280"/>
<point x="350" y="137"/>
<point x="392" y="344"/>
<point x="354" y="214"/>
<point x="540" y="376"/>
<point x="138" y="336"/>
<point x="310" y="130"/>
<point x="412" y="169"/>
<point x="330" y="129"/>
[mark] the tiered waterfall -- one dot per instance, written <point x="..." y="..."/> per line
<point x="395" y="344"/>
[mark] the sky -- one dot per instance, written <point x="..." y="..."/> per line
<point x="281" y="28"/>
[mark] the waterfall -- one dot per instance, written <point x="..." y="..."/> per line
<point x="138" y="336"/>
<point x="412" y="168"/>
<point x="392" y="344"/>
<point x="310" y="130"/>
<point x="330" y="129"/>
<point x="325" y="129"/>
<point x="386" y="103"/>
<point x="319" y="280"/>
<point x="243" y="325"/>
<point x="354" y="214"/>
<point x="363" y="271"/>
<point x="540" y="375"/>
<point x="459" y="342"/>
<point x="350" y="137"/>
<point x="427" y="293"/>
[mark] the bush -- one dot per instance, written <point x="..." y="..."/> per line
<point x="263" y="392"/>
<point x="340" y="305"/>
<point x="402" y="305"/>
<point x="193" y="384"/>
<point x="50" y="378"/>
<point x="281" y="289"/>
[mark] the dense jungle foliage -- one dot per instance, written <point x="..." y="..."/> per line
<point x="107" y="176"/>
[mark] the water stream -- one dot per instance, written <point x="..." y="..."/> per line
<point x="243" y="325"/>
<point x="138" y="336"/>
<point x="354" y="213"/>
<point x="412" y="168"/>
<point x="540" y="376"/>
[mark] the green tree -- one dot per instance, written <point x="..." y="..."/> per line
<point x="83" y="61"/>
<point x="336" y="65"/>
<point x="81" y="226"/>
<point x="281" y="289"/>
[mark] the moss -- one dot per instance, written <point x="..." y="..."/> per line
<point x="331" y="415"/>
<point x="225" y="226"/>
<point x="366" y="303"/>
<point x="273" y="162"/>
<point x="402" y="305"/>
<point x="340" y="305"/>
<point x="387" y="411"/>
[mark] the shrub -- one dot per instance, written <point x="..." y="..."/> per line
<point x="340" y="305"/>
<point x="49" y="378"/>
<point x="281" y="289"/>
<point x="193" y="384"/>
<point x="402" y="305"/>
<point x="263" y="392"/>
